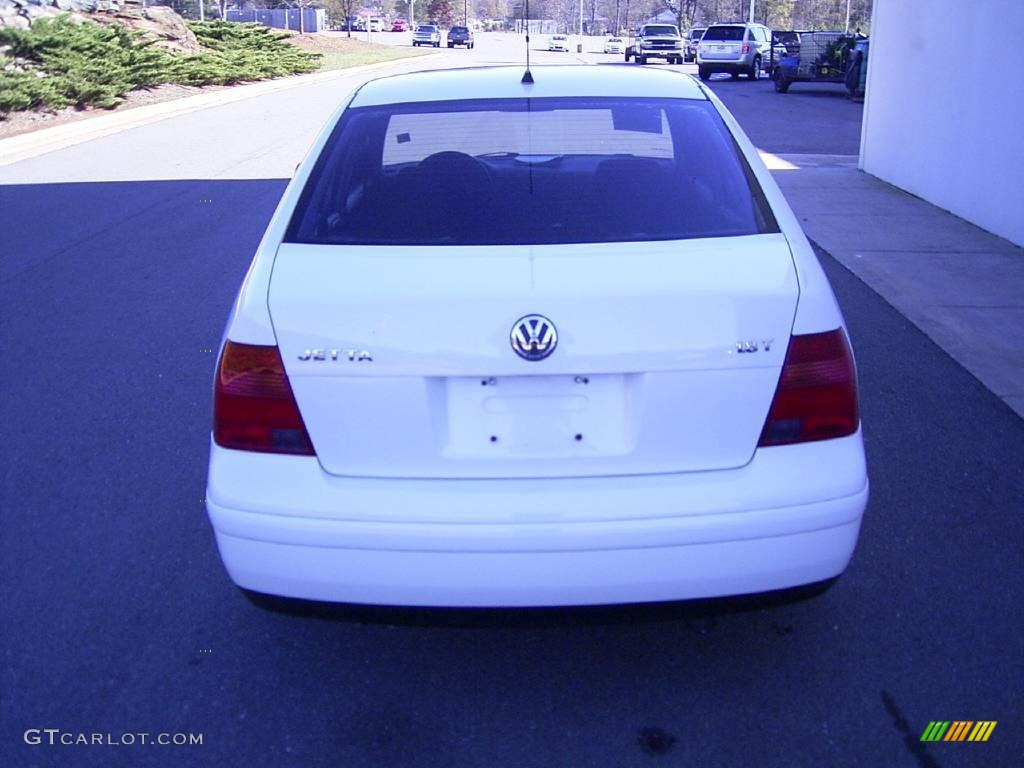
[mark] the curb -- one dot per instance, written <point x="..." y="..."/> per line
<point x="29" y="145"/>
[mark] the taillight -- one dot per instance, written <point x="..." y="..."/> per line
<point x="816" y="398"/>
<point x="253" y="405"/>
<point x="746" y="47"/>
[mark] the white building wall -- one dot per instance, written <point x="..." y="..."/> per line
<point x="944" y="110"/>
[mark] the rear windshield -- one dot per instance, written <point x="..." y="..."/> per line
<point x="724" y="33"/>
<point x="660" y="30"/>
<point x="458" y="29"/>
<point x="696" y="33"/>
<point x="425" y="29"/>
<point x="529" y="171"/>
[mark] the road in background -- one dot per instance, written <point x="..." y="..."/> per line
<point x="120" y="261"/>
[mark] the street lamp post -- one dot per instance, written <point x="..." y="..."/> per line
<point x="580" y="49"/>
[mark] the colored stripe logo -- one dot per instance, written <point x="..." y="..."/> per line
<point x="958" y="730"/>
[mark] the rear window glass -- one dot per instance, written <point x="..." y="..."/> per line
<point x="529" y="171"/>
<point x="458" y="29"/>
<point x="425" y="29"/>
<point x="724" y="33"/>
<point x="696" y="33"/>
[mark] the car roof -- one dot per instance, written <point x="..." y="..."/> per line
<point x="549" y="82"/>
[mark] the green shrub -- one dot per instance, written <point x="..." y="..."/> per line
<point x="85" y="63"/>
<point x="240" y="52"/>
<point x="26" y="90"/>
<point x="88" y="64"/>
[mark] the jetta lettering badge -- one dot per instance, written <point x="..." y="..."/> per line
<point x="534" y="337"/>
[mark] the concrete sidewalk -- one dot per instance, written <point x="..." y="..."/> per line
<point x="961" y="285"/>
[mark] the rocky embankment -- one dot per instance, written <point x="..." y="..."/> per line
<point x="157" y="23"/>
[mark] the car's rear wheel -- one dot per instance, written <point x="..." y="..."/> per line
<point x="641" y="60"/>
<point x="755" y="69"/>
<point x="627" y="57"/>
<point x="781" y="82"/>
<point x="704" y="73"/>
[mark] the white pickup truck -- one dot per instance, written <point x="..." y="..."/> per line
<point x="656" y="41"/>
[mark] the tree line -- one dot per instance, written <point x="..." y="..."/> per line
<point x="600" y="16"/>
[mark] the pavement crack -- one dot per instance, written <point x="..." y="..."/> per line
<point x="914" y="745"/>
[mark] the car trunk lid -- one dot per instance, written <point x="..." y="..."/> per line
<point x="402" y="365"/>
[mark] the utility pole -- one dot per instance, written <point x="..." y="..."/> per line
<point x="847" y="16"/>
<point x="202" y="14"/>
<point x="751" y="19"/>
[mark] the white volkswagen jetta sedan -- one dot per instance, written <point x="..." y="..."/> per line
<point x="548" y="343"/>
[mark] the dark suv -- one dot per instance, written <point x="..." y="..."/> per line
<point x="460" y="36"/>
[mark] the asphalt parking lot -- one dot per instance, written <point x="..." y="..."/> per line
<point x="118" y="616"/>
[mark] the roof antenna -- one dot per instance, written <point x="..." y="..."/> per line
<point x="527" y="77"/>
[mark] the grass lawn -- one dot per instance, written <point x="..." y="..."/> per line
<point x="340" y="52"/>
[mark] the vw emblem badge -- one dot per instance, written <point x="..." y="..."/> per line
<point x="534" y="337"/>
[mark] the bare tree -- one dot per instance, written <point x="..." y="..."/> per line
<point x="684" y="11"/>
<point x="344" y="9"/>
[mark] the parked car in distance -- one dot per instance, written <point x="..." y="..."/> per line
<point x="427" y="34"/>
<point x="737" y="48"/>
<point x="558" y="43"/>
<point x="399" y="25"/>
<point x="614" y="45"/>
<point x="692" y="39"/>
<point x="376" y="25"/>
<point x="460" y="35"/>
<point x="460" y="372"/>
<point x="656" y="41"/>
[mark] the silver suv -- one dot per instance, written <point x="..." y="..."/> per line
<point x="736" y="47"/>
<point x="427" y="34"/>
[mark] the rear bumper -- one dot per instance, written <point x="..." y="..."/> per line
<point x="731" y="65"/>
<point x="286" y="528"/>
